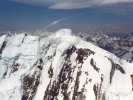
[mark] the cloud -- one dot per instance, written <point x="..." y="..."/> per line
<point x="71" y="4"/>
<point x="56" y="22"/>
<point x="116" y="1"/>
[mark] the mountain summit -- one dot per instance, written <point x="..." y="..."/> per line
<point x="61" y="67"/>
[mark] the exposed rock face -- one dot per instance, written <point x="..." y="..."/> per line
<point x="61" y="67"/>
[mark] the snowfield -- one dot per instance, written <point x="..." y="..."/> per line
<point x="61" y="66"/>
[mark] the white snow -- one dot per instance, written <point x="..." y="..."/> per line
<point x="16" y="40"/>
<point x="26" y="50"/>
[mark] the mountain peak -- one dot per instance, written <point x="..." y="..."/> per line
<point x="63" y="32"/>
<point x="61" y="69"/>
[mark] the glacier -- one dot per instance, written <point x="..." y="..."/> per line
<point x="61" y="66"/>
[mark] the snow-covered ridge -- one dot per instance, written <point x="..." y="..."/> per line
<point x="61" y="67"/>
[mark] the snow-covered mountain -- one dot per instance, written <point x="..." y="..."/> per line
<point x="61" y="67"/>
<point x="120" y="45"/>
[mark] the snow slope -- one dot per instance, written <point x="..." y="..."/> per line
<point x="61" y="67"/>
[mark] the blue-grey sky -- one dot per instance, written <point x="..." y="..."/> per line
<point x="80" y="15"/>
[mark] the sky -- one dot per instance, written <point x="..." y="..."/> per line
<point x="79" y="15"/>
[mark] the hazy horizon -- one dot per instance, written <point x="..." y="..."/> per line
<point x="80" y="16"/>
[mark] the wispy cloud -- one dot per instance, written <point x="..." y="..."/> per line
<point x="71" y="4"/>
<point x="116" y="1"/>
<point x="63" y="19"/>
<point x="56" y="22"/>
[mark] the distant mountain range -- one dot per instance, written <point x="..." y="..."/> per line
<point x="119" y="44"/>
